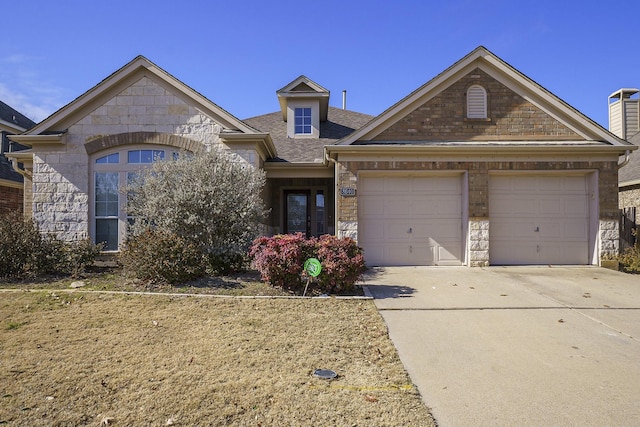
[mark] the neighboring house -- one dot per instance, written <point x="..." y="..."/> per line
<point x="624" y="122"/>
<point x="479" y="166"/>
<point x="11" y="186"/>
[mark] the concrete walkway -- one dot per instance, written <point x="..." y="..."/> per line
<point x="517" y="346"/>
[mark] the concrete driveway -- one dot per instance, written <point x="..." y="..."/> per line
<point x="517" y="346"/>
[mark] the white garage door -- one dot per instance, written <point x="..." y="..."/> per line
<point x="541" y="219"/>
<point x="410" y="220"/>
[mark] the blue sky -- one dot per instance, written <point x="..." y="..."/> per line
<point x="238" y="53"/>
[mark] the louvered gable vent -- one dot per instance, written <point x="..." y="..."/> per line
<point x="476" y="102"/>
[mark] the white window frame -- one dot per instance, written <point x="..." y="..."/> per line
<point x="304" y="117"/>
<point x="123" y="168"/>
<point x="476" y="102"/>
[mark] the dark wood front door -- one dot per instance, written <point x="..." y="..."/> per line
<point x="297" y="213"/>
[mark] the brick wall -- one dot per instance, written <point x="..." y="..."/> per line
<point x="510" y="117"/>
<point x="11" y="199"/>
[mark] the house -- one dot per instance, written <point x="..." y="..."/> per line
<point x="478" y="166"/>
<point x="624" y="122"/>
<point x="11" y="186"/>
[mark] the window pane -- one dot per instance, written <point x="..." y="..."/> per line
<point x="134" y="156"/>
<point x="107" y="231"/>
<point x="106" y="194"/>
<point x="303" y="120"/>
<point x="145" y="156"/>
<point x="320" y="213"/>
<point x="111" y="158"/>
<point x="296" y="213"/>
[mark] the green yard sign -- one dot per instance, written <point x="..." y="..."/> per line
<point x="313" y="267"/>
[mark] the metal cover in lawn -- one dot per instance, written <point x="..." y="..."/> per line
<point x="326" y="374"/>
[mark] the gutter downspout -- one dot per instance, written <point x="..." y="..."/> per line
<point x="626" y="159"/>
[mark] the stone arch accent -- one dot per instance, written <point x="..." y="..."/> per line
<point x="130" y="138"/>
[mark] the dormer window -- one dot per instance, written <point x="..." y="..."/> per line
<point x="303" y="124"/>
<point x="304" y="105"/>
<point x="476" y="102"/>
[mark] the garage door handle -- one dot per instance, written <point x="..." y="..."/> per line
<point x="537" y="230"/>
<point x="410" y="230"/>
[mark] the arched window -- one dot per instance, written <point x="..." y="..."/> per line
<point x="476" y="102"/>
<point x="111" y="171"/>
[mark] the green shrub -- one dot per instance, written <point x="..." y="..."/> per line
<point x="25" y="252"/>
<point x="280" y="260"/>
<point x="162" y="257"/>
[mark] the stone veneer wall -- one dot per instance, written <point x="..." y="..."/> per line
<point x="630" y="197"/>
<point x="60" y="200"/>
<point x="478" y="202"/>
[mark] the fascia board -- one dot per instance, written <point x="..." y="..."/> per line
<point x="301" y="79"/>
<point x="498" y="149"/>
<point x="629" y="183"/>
<point x="29" y="139"/>
<point x="298" y="170"/>
<point x="264" y="139"/>
<point x="498" y="69"/>
<point x="421" y="95"/>
<point x="12" y="184"/>
<point x="10" y="127"/>
<point x="112" y="85"/>
<point x="546" y="101"/>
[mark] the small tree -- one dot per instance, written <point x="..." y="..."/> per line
<point x="211" y="199"/>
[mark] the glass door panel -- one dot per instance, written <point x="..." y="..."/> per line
<point x="297" y="212"/>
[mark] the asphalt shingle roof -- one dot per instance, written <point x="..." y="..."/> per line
<point x="11" y="115"/>
<point x="8" y="114"/>
<point x="339" y="124"/>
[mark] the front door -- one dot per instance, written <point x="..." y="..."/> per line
<point x="297" y="215"/>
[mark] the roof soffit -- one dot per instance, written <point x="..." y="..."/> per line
<point x="503" y="73"/>
<point x="123" y="78"/>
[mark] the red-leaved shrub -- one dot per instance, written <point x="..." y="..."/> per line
<point x="280" y="260"/>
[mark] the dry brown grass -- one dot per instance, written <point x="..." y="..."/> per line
<point x="86" y="358"/>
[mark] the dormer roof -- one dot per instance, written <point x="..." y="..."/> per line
<point x="304" y="88"/>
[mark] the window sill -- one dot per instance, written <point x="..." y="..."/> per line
<point x="467" y="119"/>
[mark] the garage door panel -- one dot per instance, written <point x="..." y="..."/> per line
<point x="502" y="254"/>
<point x="370" y="206"/>
<point x="373" y="229"/>
<point x="543" y="220"/>
<point x="564" y="252"/>
<point x="515" y="205"/>
<point x="410" y="220"/>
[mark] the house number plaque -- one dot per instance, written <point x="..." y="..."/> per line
<point x="347" y="192"/>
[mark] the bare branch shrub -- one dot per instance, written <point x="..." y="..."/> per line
<point x="211" y="199"/>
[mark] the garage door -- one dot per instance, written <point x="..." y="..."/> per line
<point x="410" y="220"/>
<point x="541" y="219"/>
